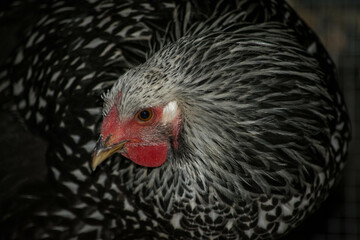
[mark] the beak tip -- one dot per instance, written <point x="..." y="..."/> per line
<point x="101" y="153"/>
<point x="96" y="160"/>
<point x="93" y="167"/>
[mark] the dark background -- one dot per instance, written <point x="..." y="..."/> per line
<point x="337" y="22"/>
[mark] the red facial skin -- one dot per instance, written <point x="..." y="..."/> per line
<point x="141" y="148"/>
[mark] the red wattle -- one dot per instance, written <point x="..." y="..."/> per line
<point x="147" y="155"/>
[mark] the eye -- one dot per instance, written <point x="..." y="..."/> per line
<point x="145" y="115"/>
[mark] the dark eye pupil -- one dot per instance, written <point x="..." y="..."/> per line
<point x="145" y="114"/>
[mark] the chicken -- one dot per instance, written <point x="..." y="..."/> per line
<point x="240" y="127"/>
<point x="233" y="127"/>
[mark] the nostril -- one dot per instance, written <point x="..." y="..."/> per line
<point x="107" y="138"/>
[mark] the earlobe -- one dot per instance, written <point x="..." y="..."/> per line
<point x="170" y="112"/>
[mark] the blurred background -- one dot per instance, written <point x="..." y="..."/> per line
<point x="337" y="22"/>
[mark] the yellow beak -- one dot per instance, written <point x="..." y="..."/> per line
<point x="101" y="152"/>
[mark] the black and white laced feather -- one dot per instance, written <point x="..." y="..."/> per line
<point x="264" y="127"/>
